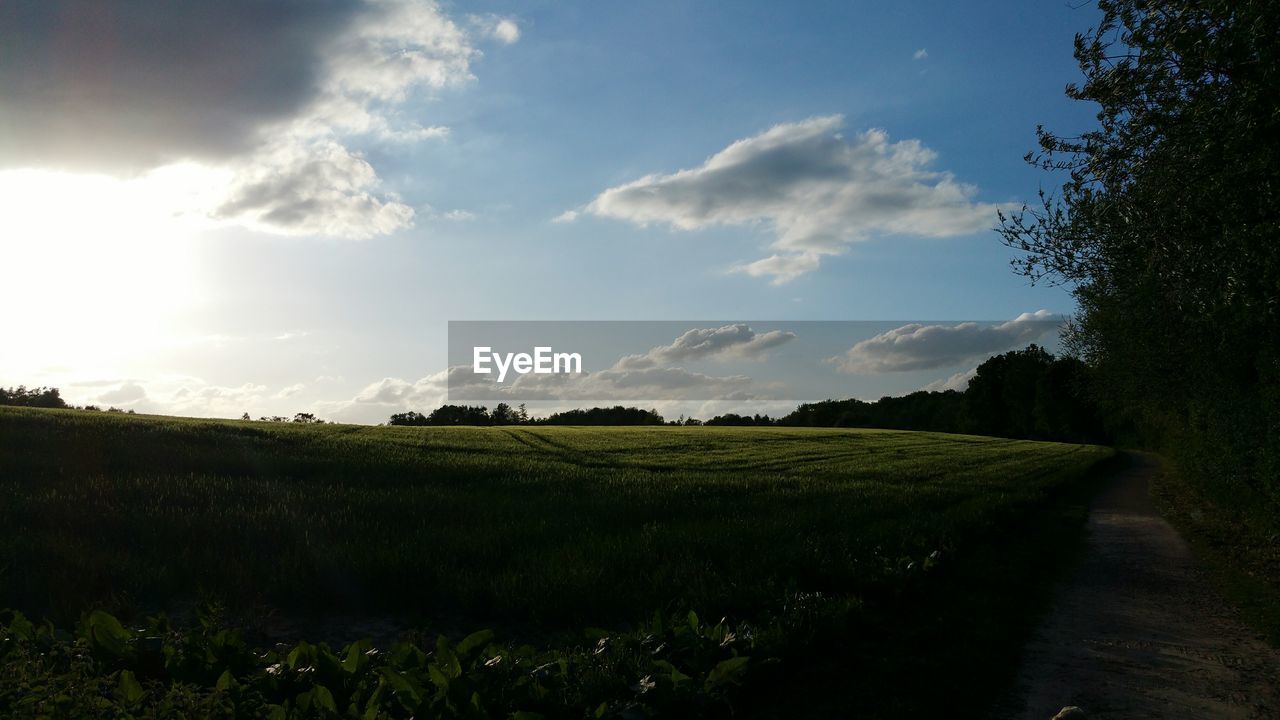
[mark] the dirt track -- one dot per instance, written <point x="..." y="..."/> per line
<point x="1138" y="632"/>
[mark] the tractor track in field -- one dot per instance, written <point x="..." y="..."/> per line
<point x="1137" y="630"/>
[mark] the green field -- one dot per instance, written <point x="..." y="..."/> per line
<point x="537" y="532"/>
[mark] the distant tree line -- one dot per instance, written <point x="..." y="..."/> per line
<point x="300" y="418"/>
<point x="1021" y="394"/>
<point x="45" y="397"/>
<point x="40" y="397"/>
<point x="504" y="414"/>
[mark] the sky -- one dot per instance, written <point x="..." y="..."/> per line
<point x="278" y="206"/>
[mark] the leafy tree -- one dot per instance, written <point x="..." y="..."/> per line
<point x="460" y="415"/>
<point x="617" y="415"/>
<point x="734" y="419"/>
<point x="1166" y="224"/>
<point x="502" y="414"/>
<point x="408" y="418"/>
<point x="40" y="397"/>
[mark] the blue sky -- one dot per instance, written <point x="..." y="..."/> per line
<point x="306" y="283"/>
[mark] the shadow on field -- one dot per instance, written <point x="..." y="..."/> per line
<point x="950" y="646"/>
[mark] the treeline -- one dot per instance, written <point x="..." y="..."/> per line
<point x="301" y="418"/>
<point x="39" y="397"/>
<point x="504" y="414"/>
<point x="45" y="397"/>
<point x="1021" y="394"/>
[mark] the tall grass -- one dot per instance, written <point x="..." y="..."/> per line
<point x="550" y="526"/>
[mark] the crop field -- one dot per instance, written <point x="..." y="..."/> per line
<point x="537" y="531"/>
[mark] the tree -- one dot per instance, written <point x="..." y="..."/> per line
<point x="408" y="418"/>
<point x="502" y="414"/>
<point x="39" y="397"/>
<point x="1166" y="224"/>
<point x="617" y="415"/>
<point x="460" y="415"/>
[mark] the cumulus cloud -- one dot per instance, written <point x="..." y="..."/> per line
<point x="275" y="90"/>
<point x="653" y="375"/>
<point x="925" y="347"/>
<point x="126" y="394"/>
<point x="379" y="400"/>
<point x="815" y="189"/>
<point x="958" y="382"/>
<point x="196" y="397"/>
<point x="323" y="189"/>
<point x="177" y="395"/>
<point x="738" y="341"/>
<point x="617" y="384"/>
<point x="921" y="54"/>
<point x="650" y="376"/>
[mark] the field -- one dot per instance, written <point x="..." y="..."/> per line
<point x="537" y="532"/>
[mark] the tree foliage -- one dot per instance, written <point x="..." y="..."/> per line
<point x="1166" y="225"/>
<point x="41" y="397"/>
<point x="1025" y="393"/>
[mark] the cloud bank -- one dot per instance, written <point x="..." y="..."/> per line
<point x="926" y="347"/>
<point x="815" y="189"/>
<point x="737" y="341"/>
<point x="647" y="377"/>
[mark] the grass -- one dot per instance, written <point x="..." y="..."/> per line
<point x="876" y="553"/>
<point x="1233" y="530"/>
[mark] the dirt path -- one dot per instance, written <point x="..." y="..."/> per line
<point x="1138" y="632"/>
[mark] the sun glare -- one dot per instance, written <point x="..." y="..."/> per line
<point x="97" y="267"/>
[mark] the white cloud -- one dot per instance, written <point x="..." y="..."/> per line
<point x="183" y="395"/>
<point x="197" y="398"/>
<point x="780" y="269"/>
<point x="816" y="190"/>
<point x="290" y="391"/>
<point x="650" y="376"/>
<point x="921" y="54"/>
<point x="503" y="29"/>
<point x="127" y="393"/>
<point x="925" y="347"/>
<point x="320" y="189"/>
<point x="735" y="341"/>
<point x="641" y="378"/>
<point x="379" y="400"/>
<point x="958" y="382"/>
<point x="567" y="216"/>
